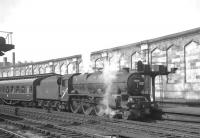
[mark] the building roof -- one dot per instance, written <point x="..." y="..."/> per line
<point x="153" y="40"/>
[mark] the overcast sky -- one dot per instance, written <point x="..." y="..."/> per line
<point x="46" y="29"/>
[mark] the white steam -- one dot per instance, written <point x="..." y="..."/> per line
<point x="109" y="75"/>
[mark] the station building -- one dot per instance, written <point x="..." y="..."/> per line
<point x="180" y="50"/>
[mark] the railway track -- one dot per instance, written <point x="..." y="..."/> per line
<point x="47" y="129"/>
<point x="4" y="133"/>
<point x="117" y="127"/>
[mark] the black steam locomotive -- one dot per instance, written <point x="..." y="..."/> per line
<point x="129" y="94"/>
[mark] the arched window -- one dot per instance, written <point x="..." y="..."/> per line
<point x="17" y="72"/>
<point x="28" y="71"/>
<point x="36" y="71"/>
<point x="63" y="69"/>
<point x="57" y="69"/>
<point x="123" y="62"/>
<point x="114" y="61"/>
<point x="158" y="57"/>
<point x="192" y="62"/>
<point x="71" y="68"/>
<point x="99" y="63"/>
<point x="136" y="56"/>
<point x="23" y="71"/>
<point x="48" y="69"/>
<point x="9" y="73"/>
<point x="42" y="70"/>
<point x="80" y="66"/>
<point x="5" y="74"/>
<point x="175" y="60"/>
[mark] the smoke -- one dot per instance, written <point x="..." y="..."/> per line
<point x="109" y="75"/>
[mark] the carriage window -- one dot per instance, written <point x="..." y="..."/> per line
<point x="17" y="89"/>
<point x="27" y="89"/>
<point x="3" y="89"/>
<point x="22" y="89"/>
<point x="7" y="89"/>
<point x="30" y="89"/>
<point x="12" y="89"/>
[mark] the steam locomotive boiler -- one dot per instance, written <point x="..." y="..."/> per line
<point x="126" y="94"/>
<point x="90" y="93"/>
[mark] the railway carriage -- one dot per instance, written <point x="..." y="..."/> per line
<point x="18" y="91"/>
<point x="22" y="90"/>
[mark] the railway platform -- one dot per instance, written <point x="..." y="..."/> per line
<point x="180" y="106"/>
<point x="194" y="111"/>
<point x="181" y="113"/>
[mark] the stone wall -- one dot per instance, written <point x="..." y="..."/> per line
<point x="180" y="50"/>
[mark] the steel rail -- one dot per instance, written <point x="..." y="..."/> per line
<point x="12" y="133"/>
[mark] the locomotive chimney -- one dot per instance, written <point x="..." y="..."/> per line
<point x="125" y="70"/>
<point x="5" y="61"/>
<point x="13" y="58"/>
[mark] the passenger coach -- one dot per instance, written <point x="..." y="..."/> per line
<point x="21" y="90"/>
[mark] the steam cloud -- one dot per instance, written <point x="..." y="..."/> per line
<point x="109" y="75"/>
